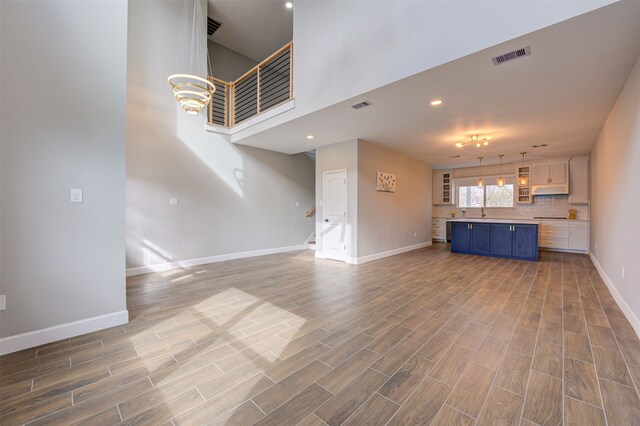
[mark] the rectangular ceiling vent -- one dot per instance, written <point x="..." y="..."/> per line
<point x="361" y="105"/>
<point x="212" y="25"/>
<point x="525" y="51"/>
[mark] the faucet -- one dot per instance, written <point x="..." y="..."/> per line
<point x="483" y="213"/>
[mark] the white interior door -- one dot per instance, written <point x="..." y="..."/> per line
<point x="334" y="215"/>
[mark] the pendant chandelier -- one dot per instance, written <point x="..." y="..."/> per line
<point x="501" y="180"/>
<point x="523" y="180"/>
<point x="476" y="140"/>
<point x="480" y="181"/>
<point x="191" y="88"/>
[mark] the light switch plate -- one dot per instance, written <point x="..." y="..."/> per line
<point x="3" y="302"/>
<point x="173" y="201"/>
<point x="76" y="195"/>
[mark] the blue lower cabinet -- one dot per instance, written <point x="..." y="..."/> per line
<point x="525" y="242"/>
<point x="481" y="238"/>
<point x="501" y="239"/>
<point x="513" y="241"/>
<point x="460" y="237"/>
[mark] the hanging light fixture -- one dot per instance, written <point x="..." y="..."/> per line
<point x="501" y="180"/>
<point x="191" y="89"/>
<point x="523" y="180"/>
<point x="476" y="140"/>
<point x="480" y="181"/>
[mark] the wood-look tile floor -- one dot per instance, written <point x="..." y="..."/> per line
<point x="423" y="337"/>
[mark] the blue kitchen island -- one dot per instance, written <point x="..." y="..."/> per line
<point x="511" y="239"/>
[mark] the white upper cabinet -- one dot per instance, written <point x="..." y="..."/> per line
<point x="558" y="173"/>
<point x="550" y="178"/>
<point x="436" y="194"/>
<point x="549" y="174"/>
<point x="579" y="180"/>
<point x="443" y="187"/>
<point x="539" y="174"/>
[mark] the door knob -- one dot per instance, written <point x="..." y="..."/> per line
<point x="326" y="220"/>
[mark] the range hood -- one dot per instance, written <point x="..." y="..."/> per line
<point x="561" y="189"/>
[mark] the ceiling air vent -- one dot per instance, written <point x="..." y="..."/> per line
<point x="212" y="25"/>
<point x="361" y="105"/>
<point x="525" y="51"/>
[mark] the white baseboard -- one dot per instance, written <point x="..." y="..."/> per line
<point x="161" y="267"/>
<point x="628" y="312"/>
<point x="63" y="331"/>
<point x="382" y="255"/>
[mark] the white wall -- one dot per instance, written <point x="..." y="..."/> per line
<point x="377" y="222"/>
<point x="231" y="199"/>
<point x="342" y="155"/>
<point x="227" y="64"/>
<point x="388" y="220"/>
<point x="343" y="49"/>
<point x="63" y="126"/>
<point x="614" y="195"/>
<point x="373" y="43"/>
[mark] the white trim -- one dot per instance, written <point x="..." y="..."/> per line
<point x="161" y="267"/>
<point x="63" y="331"/>
<point x="376" y="256"/>
<point x="270" y="113"/>
<point x="628" y="312"/>
<point x="564" y="250"/>
<point x="347" y="241"/>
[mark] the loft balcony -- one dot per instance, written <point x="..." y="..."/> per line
<point x="257" y="93"/>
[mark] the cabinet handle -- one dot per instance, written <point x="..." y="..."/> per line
<point x="471" y="226"/>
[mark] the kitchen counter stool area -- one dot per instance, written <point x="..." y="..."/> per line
<point x="506" y="239"/>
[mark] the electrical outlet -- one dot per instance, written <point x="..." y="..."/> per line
<point x="297" y="203"/>
<point x="3" y="302"/>
<point x="76" y="195"/>
<point x="415" y="234"/>
<point x="623" y="272"/>
<point x="596" y="244"/>
<point x="173" y="201"/>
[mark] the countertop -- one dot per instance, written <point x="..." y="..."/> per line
<point x="492" y="220"/>
<point x="506" y="220"/>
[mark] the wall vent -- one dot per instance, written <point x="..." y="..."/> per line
<point x="361" y="105"/>
<point x="525" y="51"/>
<point x="212" y="25"/>
<point x="542" y="145"/>
<point x="455" y="156"/>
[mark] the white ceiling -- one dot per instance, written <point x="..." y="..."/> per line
<point x="560" y="95"/>
<point x="254" y="28"/>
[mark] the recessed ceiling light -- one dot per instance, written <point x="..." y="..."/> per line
<point x="309" y="136"/>
<point x="436" y="102"/>
<point x="288" y="5"/>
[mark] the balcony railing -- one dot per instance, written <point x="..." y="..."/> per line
<point x="268" y="84"/>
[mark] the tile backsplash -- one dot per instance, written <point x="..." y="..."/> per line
<point x="543" y="205"/>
